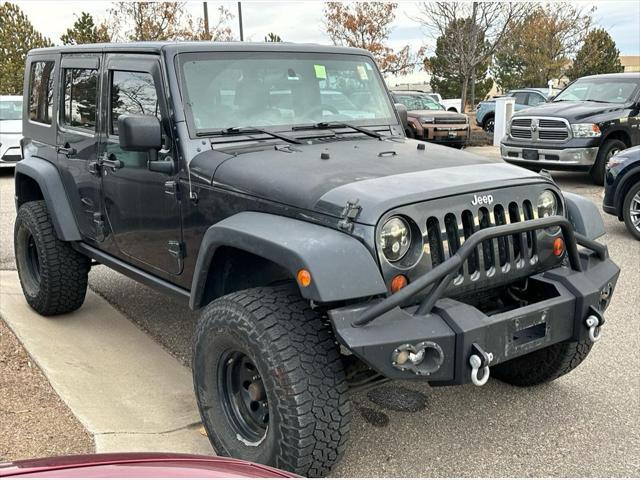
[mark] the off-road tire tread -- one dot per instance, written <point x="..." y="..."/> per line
<point x="315" y="401"/>
<point x="543" y="366"/>
<point x="63" y="271"/>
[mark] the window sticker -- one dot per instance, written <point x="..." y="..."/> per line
<point x="362" y="72"/>
<point x="321" y="71"/>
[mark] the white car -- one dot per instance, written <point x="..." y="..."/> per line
<point x="449" y="104"/>
<point x="10" y="129"/>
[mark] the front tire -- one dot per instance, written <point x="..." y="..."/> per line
<point x="52" y="274"/>
<point x="269" y="381"/>
<point x="631" y="210"/>
<point x="607" y="150"/>
<point x="542" y="366"/>
<point x="489" y="124"/>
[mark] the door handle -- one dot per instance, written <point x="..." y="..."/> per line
<point x="66" y="150"/>
<point x="110" y="161"/>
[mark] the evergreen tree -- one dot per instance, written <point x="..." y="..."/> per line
<point x="446" y="78"/>
<point x="84" y="30"/>
<point x="17" y="37"/>
<point x="272" y="37"/>
<point x="597" y="55"/>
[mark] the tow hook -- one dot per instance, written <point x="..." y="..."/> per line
<point x="594" y="323"/>
<point x="479" y="361"/>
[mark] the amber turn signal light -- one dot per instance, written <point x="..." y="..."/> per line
<point x="398" y="282"/>
<point x="304" y="277"/>
<point x="558" y="247"/>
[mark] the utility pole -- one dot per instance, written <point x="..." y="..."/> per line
<point x="206" y="20"/>
<point x="474" y="43"/>
<point x="240" y="21"/>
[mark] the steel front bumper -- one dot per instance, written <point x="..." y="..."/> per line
<point x="437" y="339"/>
<point x="581" y="158"/>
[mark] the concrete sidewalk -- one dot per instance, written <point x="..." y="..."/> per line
<point x="125" y="389"/>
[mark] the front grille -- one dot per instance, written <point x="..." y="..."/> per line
<point x="451" y="120"/>
<point x="543" y="129"/>
<point x="446" y="233"/>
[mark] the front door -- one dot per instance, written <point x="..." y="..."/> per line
<point x="78" y="139"/>
<point x="141" y="206"/>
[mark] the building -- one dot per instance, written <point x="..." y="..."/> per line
<point x="631" y="63"/>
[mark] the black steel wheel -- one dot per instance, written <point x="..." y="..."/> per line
<point x="243" y="395"/>
<point x="489" y="124"/>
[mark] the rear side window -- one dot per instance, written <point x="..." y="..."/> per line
<point x="521" y="98"/>
<point x="41" y="91"/>
<point x="80" y="97"/>
<point x="132" y="93"/>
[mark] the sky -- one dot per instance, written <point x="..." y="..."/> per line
<point x="302" y="21"/>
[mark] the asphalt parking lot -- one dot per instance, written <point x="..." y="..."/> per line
<point x="584" y="424"/>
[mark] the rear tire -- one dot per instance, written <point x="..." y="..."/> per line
<point x="542" y="366"/>
<point x="605" y="152"/>
<point x="287" y="404"/>
<point x="631" y="210"/>
<point x="52" y="274"/>
<point x="488" y="125"/>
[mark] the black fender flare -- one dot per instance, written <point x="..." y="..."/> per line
<point x="46" y="175"/>
<point x="341" y="267"/>
<point x="584" y="215"/>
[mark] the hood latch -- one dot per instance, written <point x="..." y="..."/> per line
<point x="349" y="213"/>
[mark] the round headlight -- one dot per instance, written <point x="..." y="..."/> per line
<point x="547" y="204"/>
<point x="395" y="239"/>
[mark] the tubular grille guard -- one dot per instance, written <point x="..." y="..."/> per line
<point x="442" y="274"/>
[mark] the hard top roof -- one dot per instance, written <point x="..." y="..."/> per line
<point x="182" y="47"/>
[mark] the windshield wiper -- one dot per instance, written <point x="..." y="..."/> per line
<point x="330" y="125"/>
<point x="597" y="101"/>
<point x="241" y="130"/>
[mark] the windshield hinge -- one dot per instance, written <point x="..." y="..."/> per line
<point x="176" y="249"/>
<point x="349" y="213"/>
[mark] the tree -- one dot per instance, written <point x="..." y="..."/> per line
<point x="84" y="30"/>
<point x="598" y="54"/>
<point x="445" y="78"/>
<point x="541" y="45"/>
<point x="139" y="21"/>
<point x="17" y="37"/>
<point x="272" y="37"/>
<point x="464" y="24"/>
<point x="368" y="25"/>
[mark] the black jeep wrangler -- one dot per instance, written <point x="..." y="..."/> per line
<point x="324" y="249"/>
<point x="581" y="128"/>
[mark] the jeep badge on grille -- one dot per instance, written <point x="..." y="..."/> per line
<point x="482" y="200"/>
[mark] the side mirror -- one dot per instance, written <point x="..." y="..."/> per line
<point x="139" y="133"/>
<point x="402" y="113"/>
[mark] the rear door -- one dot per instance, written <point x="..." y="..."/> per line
<point x="78" y="139"/>
<point x="141" y="206"/>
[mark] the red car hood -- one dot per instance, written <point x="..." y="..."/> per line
<point x="139" y="465"/>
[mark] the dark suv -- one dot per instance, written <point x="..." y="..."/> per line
<point x="325" y="251"/>
<point x="586" y="124"/>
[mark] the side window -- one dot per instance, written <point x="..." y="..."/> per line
<point x="133" y="93"/>
<point x="41" y="92"/>
<point x="521" y="98"/>
<point x="80" y="97"/>
<point x="535" y="99"/>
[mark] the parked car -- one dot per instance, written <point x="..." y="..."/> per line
<point x="622" y="189"/>
<point x="524" y="98"/>
<point x="138" y="465"/>
<point x="10" y="129"/>
<point x="325" y="251"/>
<point x="429" y="121"/>
<point x="587" y="123"/>
<point x="449" y="104"/>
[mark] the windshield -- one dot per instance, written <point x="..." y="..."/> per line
<point x="237" y="89"/>
<point x="10" y="109"/>
<point x="418" y="102"/>
<point x="610" y="90"/>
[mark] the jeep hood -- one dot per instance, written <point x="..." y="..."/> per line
<point x="381" y="175"/>
<point x="572" y="111"/>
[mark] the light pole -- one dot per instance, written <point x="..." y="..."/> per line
<point x="240" y="21"/>
<point x="206" y="20"/>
